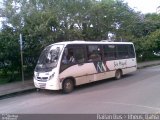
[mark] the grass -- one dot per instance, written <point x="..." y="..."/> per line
<point x="9" y="78"/>
<point x="3" y="81"/>
<point x="153" y="58"/>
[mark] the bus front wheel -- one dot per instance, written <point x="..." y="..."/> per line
<point x="118" y="74"/>
<point x="68" y="86"/>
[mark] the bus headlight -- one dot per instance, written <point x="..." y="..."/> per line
<point x="51" y="76"/>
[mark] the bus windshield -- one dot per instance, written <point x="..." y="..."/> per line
<point x="49" y="58"/>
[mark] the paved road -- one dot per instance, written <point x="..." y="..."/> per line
<point x="134" y="93"/>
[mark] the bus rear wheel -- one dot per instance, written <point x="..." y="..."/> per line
<point x="68" y="86"/>
<point x="118" y="74"/>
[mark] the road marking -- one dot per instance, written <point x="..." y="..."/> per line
<point x="126" y="104"/>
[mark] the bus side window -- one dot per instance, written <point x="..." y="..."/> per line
<point x="75" y="54"/>
<point x="68" y="56"/>
<point x="94" y="53"/>
<point x="122" y="52"/>
<point x="131" y="51"/>
<point x="109" y="52"/>
<point x="64" y="57"/>
<point x="80" y="54"/>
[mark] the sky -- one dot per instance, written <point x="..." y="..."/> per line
<point x="144" y="6"/>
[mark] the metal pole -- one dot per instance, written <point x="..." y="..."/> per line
<point x="21" y="48"/>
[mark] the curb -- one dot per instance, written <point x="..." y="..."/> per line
<point x="17" y="93"/>
<point x="145" y="66"/>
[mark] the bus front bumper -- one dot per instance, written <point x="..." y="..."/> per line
<point x="49" y="85"/>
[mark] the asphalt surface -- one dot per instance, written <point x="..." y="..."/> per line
<point x="134" y="93"/>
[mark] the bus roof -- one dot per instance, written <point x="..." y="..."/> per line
<point x="91" y="42"/>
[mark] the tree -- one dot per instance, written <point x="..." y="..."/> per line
<point x="9" y="52"/>
<point x="43" y="22"/>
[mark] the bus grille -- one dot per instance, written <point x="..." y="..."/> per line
<point x="42" y="79"/>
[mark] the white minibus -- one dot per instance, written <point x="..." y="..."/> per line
<point x="64" y="65"/>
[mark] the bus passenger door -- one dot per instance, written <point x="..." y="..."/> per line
<point x="94" y="53"/>
<point x="74" y="65"/>
<point x="80" y="64"/>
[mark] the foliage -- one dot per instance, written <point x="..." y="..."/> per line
<point x="43" y="22"/>
<point x="9" y="52"/>
<point x="147" y="36"/>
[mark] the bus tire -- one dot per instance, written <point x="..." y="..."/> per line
<point x="68" y="86"/>
<point x="118" y="74"/>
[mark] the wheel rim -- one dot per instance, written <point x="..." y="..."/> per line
<point x="68" y="86"/>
